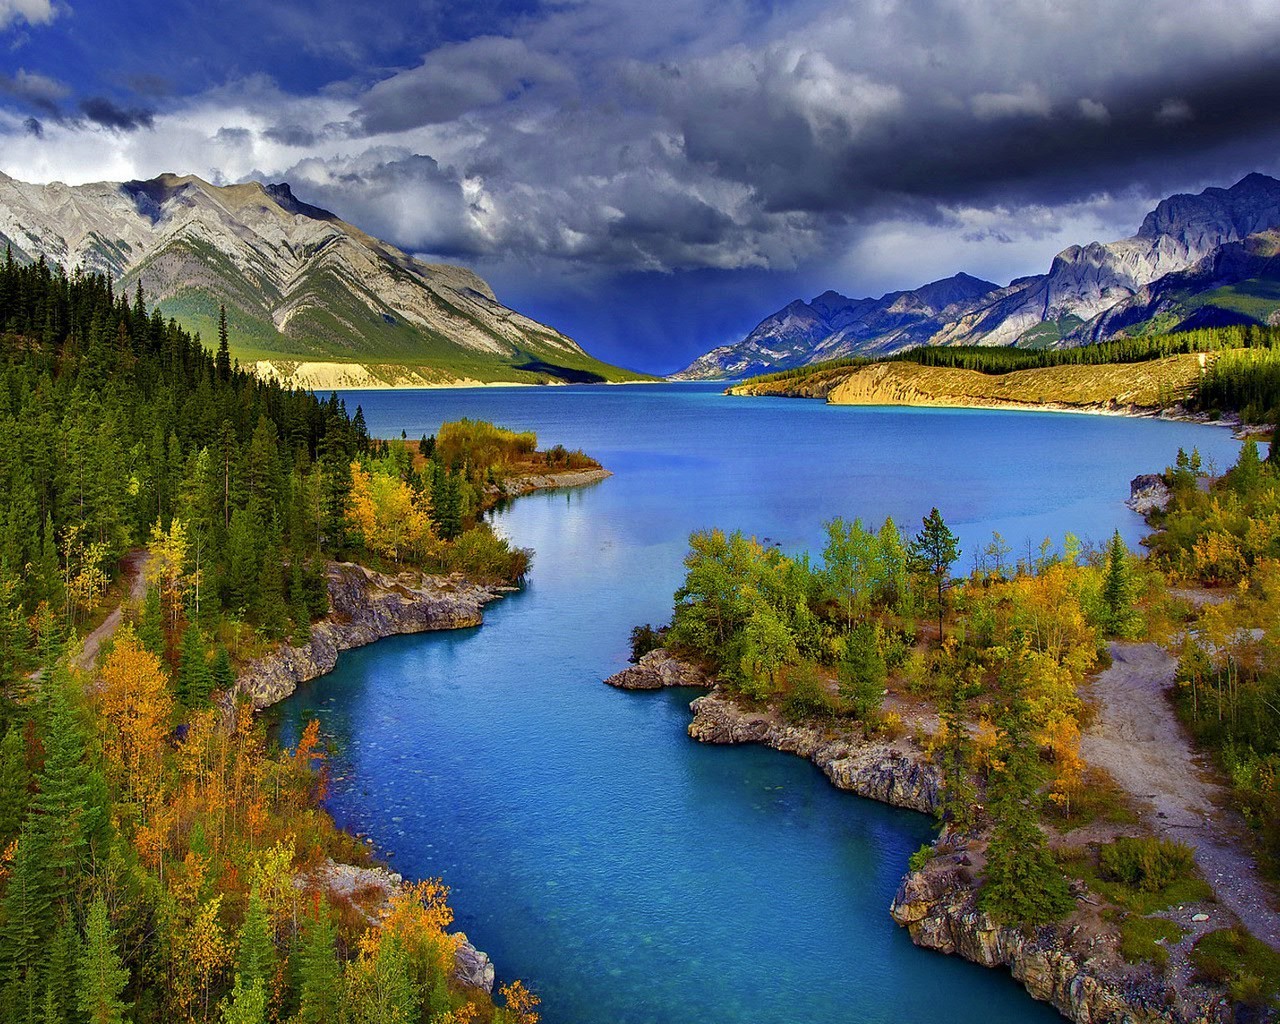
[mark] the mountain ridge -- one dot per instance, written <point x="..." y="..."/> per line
<point x="1090" y="292"/>
<point x="300" y="284"/>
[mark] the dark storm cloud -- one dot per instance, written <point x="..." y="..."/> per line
<point x="454" y="80"/>
<point x="107" y="114"/>
<point x="35" y="90"/>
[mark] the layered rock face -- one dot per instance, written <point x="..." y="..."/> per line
<point x="891" y="771"/>
<point x="1090" y="292"/>
<point x="364" y="606"/>
<point x="1083" y="977"/>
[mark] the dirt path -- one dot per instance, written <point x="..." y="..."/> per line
<point x="131" y="568"/>
<point x="1139" y="740"/>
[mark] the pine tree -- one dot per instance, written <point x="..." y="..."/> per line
<point x="271" y="611"/>
<point x="15" y="780"/>
<point x="68" y="816"/>
<point x="1023" y="885"/>
<point x="224" y="676"/>
<point x="222" y="361"/>
<point x="102" y="975"/>
<point x="319" y="976"/>
<point x="299" y="612"/>
<point x="195" y="681"/>
<point x="151" y="625"/>
<point x="1117" y="590"/>
<point x="27" y="913"/>
<point x="256" y="952"/>
<point x="933" y="551"/>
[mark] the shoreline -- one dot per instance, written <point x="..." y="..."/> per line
<point x="1072" y="964"/>
<point x="1232" y="421"/>
<point x="321" y="375"/>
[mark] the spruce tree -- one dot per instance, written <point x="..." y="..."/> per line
<point x="1023" y="885"/>
<point x="28" y="915"/>
<point x="299" y="611"/>
<point x="1118" y="590"/>
<point x="222" y="362"/>
<point x="151" y="624"/>
<point x="933" y="551"/>
<point x="102" y="975"/>
<point x="256" y="952"/>
<point x="224" y="675"/>
<point x="15" y="780"/>
<point x="319" y="974"/>
<point x="271" y="611"/>
<point x="195" y="681"/>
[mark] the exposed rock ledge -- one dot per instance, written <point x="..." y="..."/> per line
<point x="1070" y="967"/>
<point x="1066" y="965"/>
<point x="514" y="487"/>
<point x="1147" y="493"/>
<point x="891" y="771"/>
<point x="364" y="606"/>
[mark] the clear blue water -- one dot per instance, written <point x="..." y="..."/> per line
<point x="628" y="873"/>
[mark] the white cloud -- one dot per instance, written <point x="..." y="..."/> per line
<point x="33" y="12"/>
<point x="1027" y="101"/>
<point x="1092" y="110"/>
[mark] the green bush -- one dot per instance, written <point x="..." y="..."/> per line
<point x="1249" y="968"/>
<point x="1142" y="939"/>
<point x="922" y="856"/>
<point x="484" y="557"/>
<point x="1147" y="864"/>
<point x="807" y="695"/>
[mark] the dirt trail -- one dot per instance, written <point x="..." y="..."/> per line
<point x="131" y="568"/>
<point x="1139" y="740"/>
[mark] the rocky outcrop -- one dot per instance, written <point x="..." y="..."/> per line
<point x="1148" y="492"/>
<point x="516" y="486"/>
<point x="659" y="669"/>
<point x="364" y="606"/>
<point x="471" y="967"/>
<point x="1074" y="968"/>
<point x="892" y="771"/>
<point x="369" y="890"/>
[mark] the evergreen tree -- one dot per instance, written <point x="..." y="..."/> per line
<point x="15" y="780"/>
<point x="256" y="952"/>
<point x="862" y="672"/>
<point x="319" y="976"/>
<point x="224" y="676"/>
<point x="933" y="551"/>
<point x="299" y="611"/>
<point x="1023" y="885"/>
<point x="69" y="815"/>
<point x="102" y="975"/>
<point x="195" y="681"/>
<point x="1247" y="471"/>
<point x="1118" y="590"/>
<point x="27" y="916"/>
<point x="222" y="362"/>
<point x="151" y="625"/>
<point x="271" y="611"/>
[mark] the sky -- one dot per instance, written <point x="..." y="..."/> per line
<point x="654" y="177"/>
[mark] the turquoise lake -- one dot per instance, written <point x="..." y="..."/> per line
<point x="629" y="874"/>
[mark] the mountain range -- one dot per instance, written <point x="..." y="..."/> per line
<point x="308" y="296"/>
<point x="1196" y="261"/>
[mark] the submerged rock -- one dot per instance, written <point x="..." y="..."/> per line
<point x="364" y="606"/>
<point x="657" y="669"/>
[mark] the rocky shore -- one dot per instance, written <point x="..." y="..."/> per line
<point x="364" y="606"/>
<point x="1074" y="965"/>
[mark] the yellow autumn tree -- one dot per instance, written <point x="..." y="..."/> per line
<point x="391" y="518"/>
<point x="166" y="568"/>
<point x="137" y="708"/>
<point x="1062" y="737"/>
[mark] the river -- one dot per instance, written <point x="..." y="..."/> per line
<point x="629" y="874"/>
